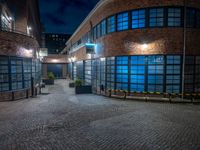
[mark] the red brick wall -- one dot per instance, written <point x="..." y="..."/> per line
<point x="159" y="40"/>
<point x="12" y="44"/>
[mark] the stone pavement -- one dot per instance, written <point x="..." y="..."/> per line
<point x="61" y="120"/>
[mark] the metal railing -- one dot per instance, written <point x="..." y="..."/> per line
<point x="170" y="97"/>
<point x="15" y="31"/>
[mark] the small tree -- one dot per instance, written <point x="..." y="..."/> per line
<point x="78" y="82"/>
<point x="51" y="75"/>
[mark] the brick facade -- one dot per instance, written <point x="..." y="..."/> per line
<point x="159" y="40"/>
<point x="17" y="43"/>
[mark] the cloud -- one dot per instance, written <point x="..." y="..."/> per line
<point x="64" y="15"/>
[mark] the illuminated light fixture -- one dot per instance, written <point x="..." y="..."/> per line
<point x="102" y="59"/>
<point x="29" y="28"/>
<point x="10" y="18"/>
<point x="73" y="59"/>
<point x="69" y="59"/>
<point x="90" y="44"/>
<point x="144" y="46"/>
<point x="89" y="56"/>
<point x="54" y="60"/>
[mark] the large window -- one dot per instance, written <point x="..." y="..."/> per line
<point x="110" y="74"/>
<point x="98" y="30"/>
<point x="95" y="32"/>
<point x="190" y="17"/>
<point x="155" y="73"/>
<point x="88" y="73"/>
<point x="4" y="74"/>
<point x="79" y="72"/>
<point x="111" y="24"/>
<point x="122" y="21"/>
<point x="94" y="73"/>
<point x="156" y="17"/>
<point x="16" y="73"/>
<point x="174" y="17"/>
<point x="6" y="24"/>
<point x="189" y="73"/>
<point x="173" y="74"/>
<point x="27" y="72"/>
<point x="138" y="19"/>
<point x="122" y="73"/>
<point x="137" y="77"/>
<point x="103" y="71"/>
<point x="103" y="27"/>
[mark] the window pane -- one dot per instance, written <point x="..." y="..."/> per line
<point x="156" y="17"/>
<point x="122" y="21"/>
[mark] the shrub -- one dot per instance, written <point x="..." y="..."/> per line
<point x="50" y="75"/>
<point x="78" y="82"/>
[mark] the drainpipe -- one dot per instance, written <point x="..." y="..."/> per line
<point x="184" y="48"/>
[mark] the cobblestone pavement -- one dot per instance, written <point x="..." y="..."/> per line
<point x="63" y="120"/>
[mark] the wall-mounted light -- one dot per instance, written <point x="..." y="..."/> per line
<point x="73" y="59"/>
<point x="144" y="46"/>
<point x="102" y="59"/>
<point x="54" y="60"/>
<point x="10" y="18"/>
<point x="29" y="28"/>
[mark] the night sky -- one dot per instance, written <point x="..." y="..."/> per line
<point x="64" y="16"/>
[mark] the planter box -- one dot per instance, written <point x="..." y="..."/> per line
<point x="71" y="85"/>
<point x="87" y="89"/>
<point x="48" y="81"/>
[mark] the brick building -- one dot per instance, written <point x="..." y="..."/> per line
<point x="138" y="45"/>
<point x="20" y="40"/>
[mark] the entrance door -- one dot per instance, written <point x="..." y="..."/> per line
<point x="56" y="69"/>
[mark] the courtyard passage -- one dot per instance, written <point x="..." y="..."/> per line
<point x="61" y="120"/>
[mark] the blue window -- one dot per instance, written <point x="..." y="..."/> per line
<point x="173" y="59"/>
<point x="103" y="27"/>
<point x="135" y="60"/>
<point x="110" y="74"/>
<point x="122" y="21"/>
<point x="138" y="19"/>
<point x="155" y="60"/>
<point x="137" y="69"/>
<point x="16" y="73"/>
<point x="156" y="17"/>
<point x="122" y="86"/>
<point x="122" y="78"/>
<point x="155" y="69"/>
<point x="4" y="74"/>
<point x="174" y="17"/>
<point x="137" y="77"/>
<point x="27" y="72"/>
<point x="190" y="17"/>
<point x="173" y="73"/>
<point x="98" y="31"/>
<point x="111" y="24"/>
<point x="95" y="32"/>
<point x="122" y="69"/>
<point x="137" y="88"/>
<point x="122" y="60"/>
<point x="155" y="83"/>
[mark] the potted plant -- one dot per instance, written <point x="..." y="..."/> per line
<point x="50" y="79"/>
<point x="82" y="89"/>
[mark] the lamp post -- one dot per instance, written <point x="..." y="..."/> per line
<point x="184" y="48"/>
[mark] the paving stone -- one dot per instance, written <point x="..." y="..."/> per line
<point x="62" y="120"/>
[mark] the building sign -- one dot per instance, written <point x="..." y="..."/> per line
<point x="90" y="48"/>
